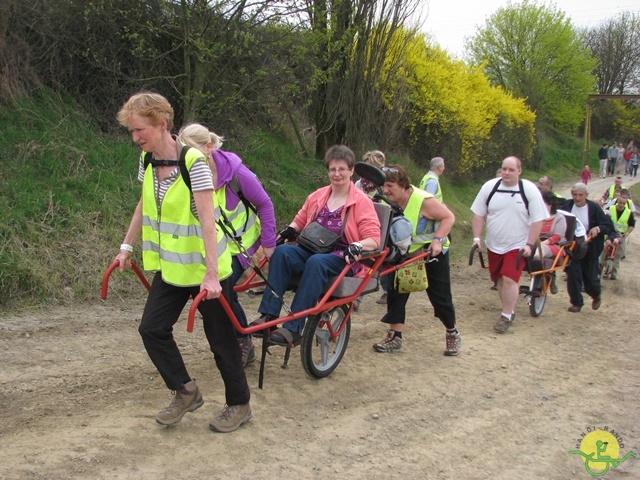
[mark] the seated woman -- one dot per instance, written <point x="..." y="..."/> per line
<point x="329" y="206"/>
<point x="432" y="223"/>
<point x="553" y="231"/>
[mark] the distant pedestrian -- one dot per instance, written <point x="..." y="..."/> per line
<point x="602" y="157"/>
<point x="613" y="159"/>
<point x="620" y="162"/>
<point x="633" y="166"/>
<point x="586" y="174"/>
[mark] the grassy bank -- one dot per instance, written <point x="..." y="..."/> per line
<point x="67" y="193"/>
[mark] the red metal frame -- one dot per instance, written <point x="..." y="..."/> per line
<point x="325" y="302"/>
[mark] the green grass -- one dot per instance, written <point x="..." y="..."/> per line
<point x="67" y="193"/>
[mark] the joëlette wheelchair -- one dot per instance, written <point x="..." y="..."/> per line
<point x="542" y="272"/>
<point x="328" y="325"/>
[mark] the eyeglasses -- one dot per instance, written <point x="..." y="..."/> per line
<point x="339" y="170"/>
<point x="390" y="170"/>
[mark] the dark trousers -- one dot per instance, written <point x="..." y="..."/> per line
<point x="438" y="291"/>
<point x="579" y="272"/>
<point x="162" y="310"/>
<point x="237" y="308"/>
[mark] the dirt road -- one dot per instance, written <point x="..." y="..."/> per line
<point x="79" y="395"/>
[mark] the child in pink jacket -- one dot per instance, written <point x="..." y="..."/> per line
<point x="586" y="174"/>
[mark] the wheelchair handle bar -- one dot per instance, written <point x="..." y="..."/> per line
<point x="111" y="268"/>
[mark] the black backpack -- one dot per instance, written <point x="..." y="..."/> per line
<point x="184" y="172"/>
<point x="512" y="192"/>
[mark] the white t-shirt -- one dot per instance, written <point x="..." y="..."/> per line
<point x="582" y="213"/>
<point x="580" y="230"/>
<point x="508" y="221"/>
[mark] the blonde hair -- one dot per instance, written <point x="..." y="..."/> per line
<point x="375" y="158"/>
<point x="196" y="135"/>
<point x="147" y="104"/>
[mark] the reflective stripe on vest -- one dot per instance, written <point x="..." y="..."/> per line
<point x="412" y="212"/>
<point x="172" y="236"/>
<point x="425" y="179"/>
<point x="245" y="222"/>
<point x="621" y="222"/>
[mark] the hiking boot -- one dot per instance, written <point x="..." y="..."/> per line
<point x="553" y="288"/>
<point x="390" y="343"/>
<point x="382" y="300"/>
<point x="186" y="399"/>
<point x="248" y="352"/>
<point x="356" y="305"/>
<point x="595" y="304"/>
<point x="453" y="342"/>
<point x="259" y="321"/>
<point x="613" y="277"/>
<point x="574" y="308"/>
<point x="231" y="418"/>
<point x="503" y="324"/>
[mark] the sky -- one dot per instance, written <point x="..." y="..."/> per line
<point x="450" y="21"/>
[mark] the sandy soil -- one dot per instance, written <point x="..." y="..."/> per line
<point x="79" y="395"/>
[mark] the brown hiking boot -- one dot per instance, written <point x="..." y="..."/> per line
<point x="248" y="351"/>
<point x="595" y="304"/>
<point x="231" y="418"/>
<point x="186" y="399"/>
<point x="503" y="324"/>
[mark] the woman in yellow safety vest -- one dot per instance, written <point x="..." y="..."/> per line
<point x="429" y="234"/>
<point x="176" y="220"/>
<point x="248" y="212"/>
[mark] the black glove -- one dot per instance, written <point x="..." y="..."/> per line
<point x="286" y="234"/>
<point x="352" y="251"/>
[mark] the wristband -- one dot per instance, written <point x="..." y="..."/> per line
<point x="531" y="246"/>
<point x="126" y="247"/>
<point x="440" y="239"/>
<point x="476" y="239"/>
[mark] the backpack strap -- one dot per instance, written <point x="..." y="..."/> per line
<point x="493" y="191"/>
<point x="234" y="185"/>
<point x="520" y="191"/>
<point x="184" y="171"/>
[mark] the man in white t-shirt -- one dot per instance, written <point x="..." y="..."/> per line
<point x="513" y="210"/>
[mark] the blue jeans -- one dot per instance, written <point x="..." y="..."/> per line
<point x="235" y="303"/>
<point x="289" y="261"/>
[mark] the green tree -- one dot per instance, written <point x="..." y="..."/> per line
<point x="616" y="44"/>
<point x="352" y="40"/>
<point x="535" y="53"/>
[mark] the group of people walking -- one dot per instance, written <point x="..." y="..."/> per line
<point x="203" y="214"/>
<point x="615" y="159"/>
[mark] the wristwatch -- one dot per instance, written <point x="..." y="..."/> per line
<point x="440" y="239"/>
